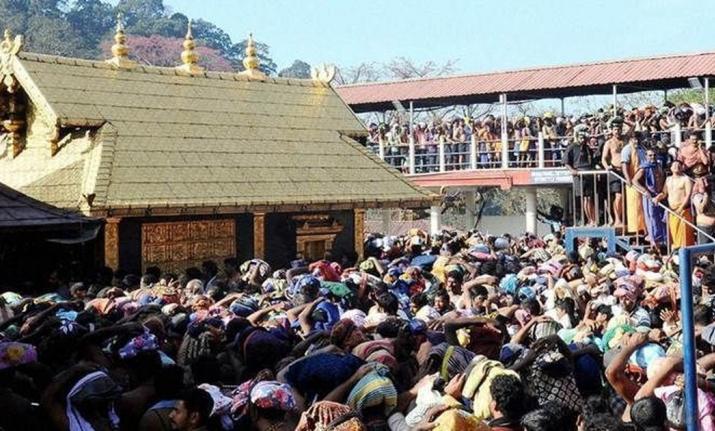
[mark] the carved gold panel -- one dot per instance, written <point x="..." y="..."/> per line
<point x="315" y="234"/>
<point x="176" y="246"/>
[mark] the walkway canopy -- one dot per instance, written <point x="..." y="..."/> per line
<point x="21" y="213"/>
<point x="633" y="75"/>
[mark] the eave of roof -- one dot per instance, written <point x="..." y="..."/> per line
<point x="656" y="73"/>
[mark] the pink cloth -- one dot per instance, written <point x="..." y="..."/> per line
<point x="706" y="405"/>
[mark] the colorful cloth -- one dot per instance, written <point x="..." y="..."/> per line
<point x="454" y="359"/>
<point x="321" y="414"/>
<point x="317" y="375"/>
<point x="92" y="392"/>
<point x="478" y="383"/>
<point x="632" y="157"/>
<point x="273" y="395"/>
<point x="13" y="354"/>
<point x="459" y="420"/>
<point x="141" y="343"/>
<point x="373" y="390"/>
<point x="681" y="235"/>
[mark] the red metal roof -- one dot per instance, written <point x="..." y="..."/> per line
<point x="654" y="73"/>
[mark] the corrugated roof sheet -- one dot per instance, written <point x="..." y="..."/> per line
<point x="216" y="139"/>
<point x="582" y="79"/>
<point x="19" y="211"/>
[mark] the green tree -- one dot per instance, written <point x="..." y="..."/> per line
<point x="299" y="69"/>
<point x="238" y="53"/>
<point x="94" y="20"/>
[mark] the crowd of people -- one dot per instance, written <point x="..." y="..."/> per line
<point x="455" y="135"/>
<point x="455" y="331"/>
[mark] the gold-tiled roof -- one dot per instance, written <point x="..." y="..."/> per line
<point x="170" y="140"/>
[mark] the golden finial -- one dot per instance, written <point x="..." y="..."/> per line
<point x="188" y="55"/>
<point x="120" y="51"/>
<point x="10" y="46"/>
<point x="251" y="62"/>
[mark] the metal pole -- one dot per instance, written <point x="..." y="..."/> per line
<point x="412" y="118"/>
<point x="689" y="356"/>
<point x="665" y="96"/>
<point x="615" y="100"/>
<point x="563" y="106"/>
<point x="540" y="154"/>
<point x="441" y="156"/>
<point x="411" y="154"/>
<point x="473" y="152"/>
<point x="504" y="140"/>
<point x="435" y="219"/>
<point x="381" y="148"/>
<point x="708" y="127"/>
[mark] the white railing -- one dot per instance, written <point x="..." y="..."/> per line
<point x="416" y="158"/>
<point x="602" y="195"/>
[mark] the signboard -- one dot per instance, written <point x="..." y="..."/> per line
<point x="551" y="176"/>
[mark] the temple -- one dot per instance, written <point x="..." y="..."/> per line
<point x="185" y="165"/>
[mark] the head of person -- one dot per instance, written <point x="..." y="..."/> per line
<point x="78" y="291"/>
<point x="676" y="167"/>
<point x="441" y="302"/>
<point x="650" y="156"/>
<point x="692" y="138"/>
<point x="270" y="401"/>
<point x="508" y="397"/>
<point x="388" y="303"/>
<point x="454" y="281"/>
<point x="649" y="414"/>
<point x="230" y="265"/>
<point x="192" y="410"/>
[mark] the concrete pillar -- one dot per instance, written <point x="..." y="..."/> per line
<point x="359" y="237"/>
<point x="386" y="221"/>
<point x="470" y="208"/>
<point x="531" y="210"/>
<point x="111" y="242"/>
<point x="435" y="219"/>
<point x="259" y="235"/>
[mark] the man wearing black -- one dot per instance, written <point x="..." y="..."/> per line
<point x="579" y="157"/>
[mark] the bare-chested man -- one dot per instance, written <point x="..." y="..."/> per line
<point x="677" y="190"/>
<point x="611" y="160"/>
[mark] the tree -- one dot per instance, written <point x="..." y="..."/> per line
<point x="299" y="69"/>
<point x="363" y="72"/>
<point x="404" y="68"/>
<point x="93" y="19"/>
<point x="238" y="53"/>
<point x="52" y="36"/>
<point x="163" y="51"/>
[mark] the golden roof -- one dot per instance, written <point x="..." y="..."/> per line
<point x="156" y="139"/>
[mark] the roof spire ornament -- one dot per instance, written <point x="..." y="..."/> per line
<point x="188" y="55"/>
<point x="251" y="62"/>
<point x="120" y="51"/>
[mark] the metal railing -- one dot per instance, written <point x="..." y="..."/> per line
<point x="475" y="153"/>
<point x="599" y="182"/>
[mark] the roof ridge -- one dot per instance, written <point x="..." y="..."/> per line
<point x="526" y="69"/>
<point x="161" y="70"/>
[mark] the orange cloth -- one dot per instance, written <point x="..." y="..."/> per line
<point x="635" y="220"/>
<point x="681" y="235"/>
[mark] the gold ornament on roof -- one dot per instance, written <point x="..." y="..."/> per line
<point x="251" y="62"/>
<point x="9" y="47"/>
<point x="188" y="55"/>
<point x="120" y="51"/>
<point x="323" y="73"/>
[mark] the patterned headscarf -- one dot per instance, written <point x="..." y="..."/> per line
<point x="273" y="395"/>
<point x="321" y="414"/>
<point x="374" y="389"/>
<point x="141" y="343"/>
<point x="454" y="359"/>
<point x="13" y="354"/>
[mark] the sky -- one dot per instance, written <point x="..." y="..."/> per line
<point x="482" y="36"/>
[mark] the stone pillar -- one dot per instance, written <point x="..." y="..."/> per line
<point x="470" y="209"/>
<point x="359" y="227"/>
<point x="531" y="210"/>
<point x="111" y="242"/>
<point x="259" y="235"/>
<point x="435" y="219"/>
<point x="386" y="221"/>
